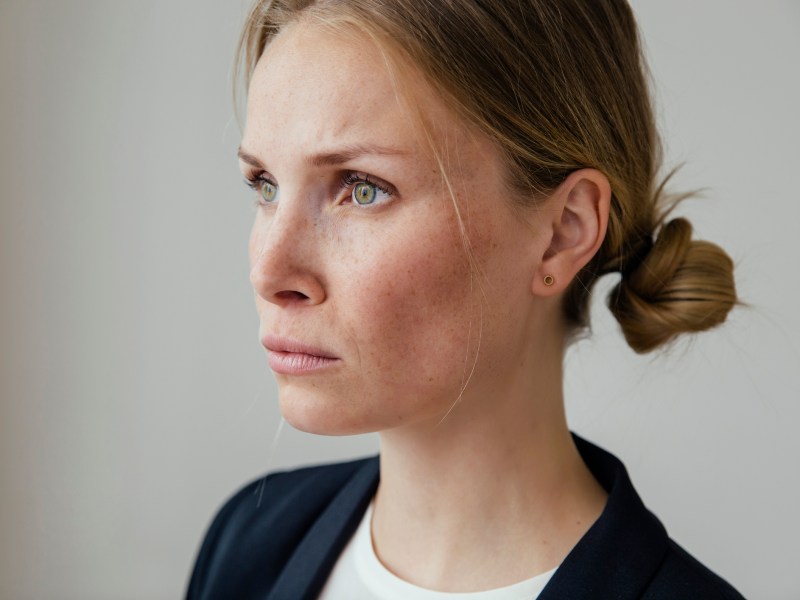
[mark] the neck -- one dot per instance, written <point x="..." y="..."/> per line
<point x="501" y="472"/>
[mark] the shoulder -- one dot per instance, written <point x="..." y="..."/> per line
<point x="627" y="553"/>
<point x="682" y="576"/>
<point x="282" y="490"/>
<point x="252" y="536"/>
<point x="282" y="501"/>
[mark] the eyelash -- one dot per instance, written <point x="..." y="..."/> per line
<point x="351" y="178"/>
<point x="347" y="180"/>
<point x="254" y="182"/>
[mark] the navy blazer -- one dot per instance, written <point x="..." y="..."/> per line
<point x="279" y="538"/>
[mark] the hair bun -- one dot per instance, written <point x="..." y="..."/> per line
<point x="680" y="286"/>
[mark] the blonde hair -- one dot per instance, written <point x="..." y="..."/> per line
<point x="559" y="85"/>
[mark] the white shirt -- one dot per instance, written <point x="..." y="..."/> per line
<point x="359" y="575"/>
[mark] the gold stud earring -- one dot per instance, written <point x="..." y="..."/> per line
<point x="549" y="280"/>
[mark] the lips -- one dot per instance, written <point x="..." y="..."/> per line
<point x="289" y="356"/>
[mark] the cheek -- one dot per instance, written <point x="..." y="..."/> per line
<point x="254" y="246"/>
<point x="409" y="305"/>
<point x="255" y="241"/>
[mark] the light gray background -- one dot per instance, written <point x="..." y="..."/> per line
<point x="135" y="395"/>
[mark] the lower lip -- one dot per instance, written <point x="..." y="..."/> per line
<point x="297" y="363"/>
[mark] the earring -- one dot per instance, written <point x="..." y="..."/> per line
<point x="549" y="280"/>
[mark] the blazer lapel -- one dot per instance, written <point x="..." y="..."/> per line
<point x="621" y="552"/>
<point x="308" y="568"/>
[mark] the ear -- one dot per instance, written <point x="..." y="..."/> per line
<point x="580" y="208"/>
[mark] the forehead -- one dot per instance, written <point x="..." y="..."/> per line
<point x="314" y="87"/>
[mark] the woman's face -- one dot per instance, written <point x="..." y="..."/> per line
<point x="373" y="313"/>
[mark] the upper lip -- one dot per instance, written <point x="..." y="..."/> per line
<point x="277" y="343"/>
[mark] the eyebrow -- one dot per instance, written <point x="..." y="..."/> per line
<point x="337" y="157"/>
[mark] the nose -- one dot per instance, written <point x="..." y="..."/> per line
<point x="284" y="265"/>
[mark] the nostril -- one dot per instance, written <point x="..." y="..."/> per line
<point x="289" y="295"/>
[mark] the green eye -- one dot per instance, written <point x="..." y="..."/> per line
<point x="268" y="191"/>
<point x="364" y="193"/>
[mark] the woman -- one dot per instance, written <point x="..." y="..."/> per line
<point x="439" y="186"/>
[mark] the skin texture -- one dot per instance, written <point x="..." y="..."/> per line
<point x="453" y="354"/>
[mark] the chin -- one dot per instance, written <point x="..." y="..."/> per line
<point x="312" y="412"/>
